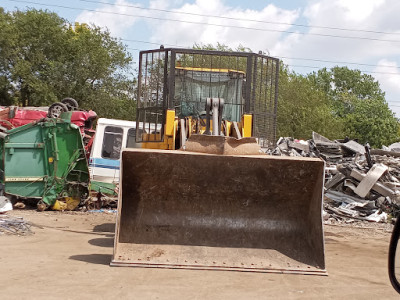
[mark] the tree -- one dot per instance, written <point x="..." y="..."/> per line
<point x="44" y="59"/>
<point x="359" y="101"/>
<point x="340" y="80"/>
<point x="302" y="108"/>
<point x="371" y="121"/>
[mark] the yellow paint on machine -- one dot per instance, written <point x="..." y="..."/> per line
<point x="169" y="134"/>
<point x="170" y="122"/>
<point x="247" y="124"/>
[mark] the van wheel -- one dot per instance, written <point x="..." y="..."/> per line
<point x="56" y="109"/>
<point x="71" y="103"/>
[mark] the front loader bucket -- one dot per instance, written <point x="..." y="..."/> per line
<point x="181" y="209"/>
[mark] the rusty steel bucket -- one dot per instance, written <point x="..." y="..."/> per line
<point x="180" y="209"/>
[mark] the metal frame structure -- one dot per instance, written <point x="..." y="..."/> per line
<point x="157" y="82"/>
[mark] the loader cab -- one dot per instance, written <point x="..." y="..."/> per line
<point x="186" y="91"/>
<point x="110" y="138"/>
<point x="194" y="85"/>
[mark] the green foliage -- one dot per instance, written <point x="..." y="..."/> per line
<point x="221" y="47"/>
<point x="44" y="59"/>
<point x="302" y="108"/>
<point x="359" y="102"/>
<point x="339" y="80"/>
<point x="372" y="121"/>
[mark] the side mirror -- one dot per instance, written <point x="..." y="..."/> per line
<point x="394" y="257"/>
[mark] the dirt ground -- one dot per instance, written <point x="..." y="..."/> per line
<point x="68" y="257"/>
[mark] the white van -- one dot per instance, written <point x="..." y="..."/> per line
<point x="111" y="137"/>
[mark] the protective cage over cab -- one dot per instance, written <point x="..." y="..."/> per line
<point x="183" y="79"/>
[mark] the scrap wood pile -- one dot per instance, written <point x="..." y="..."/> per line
<point x="14" y="225"/>
<point x="360" y="183"/>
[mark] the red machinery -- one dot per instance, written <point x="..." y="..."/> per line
<point x="14" y="116"/>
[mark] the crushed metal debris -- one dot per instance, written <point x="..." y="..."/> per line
<point x="360" y="183"/>
<point x="14" y="226"/>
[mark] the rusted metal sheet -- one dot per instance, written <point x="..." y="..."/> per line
<point x="259" y="213"/>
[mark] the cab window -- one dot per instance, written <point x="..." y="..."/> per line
<point x="112" y="142"/>
<point x="131" y="138"/>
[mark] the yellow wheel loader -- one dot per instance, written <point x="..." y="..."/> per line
<point x="200" y="193"/>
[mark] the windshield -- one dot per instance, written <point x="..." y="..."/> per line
<point x="192" y="88"/>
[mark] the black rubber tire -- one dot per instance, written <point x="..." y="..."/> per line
<point x="56" y="109"/>
<point x="71" y="103"/>
<point x="394" y="243"/>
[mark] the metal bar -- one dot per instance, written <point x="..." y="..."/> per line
<point x="137" y="137"/>
<point x="215" y="114"/>
<point x="210" y="84"/>
<point x="171" y="83"/>
<point x="165" y="89"/>
<point x="276" y="99"/>
<point x="267" y="100"/>
<point x="208" y="107"/>
<point x="24" y="145"/>
<point x="237" y="131"/>
<point x="248" y="86"/>
<point x="253" y="90"/>
<point x="183" y="132"/>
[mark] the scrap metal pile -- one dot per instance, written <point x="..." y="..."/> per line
<point x="360" y="183"/>
<point x="14" y="226"/>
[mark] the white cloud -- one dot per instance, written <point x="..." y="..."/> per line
<point x="388" y="75"/>
<point x="359" y="10"/>
<point x="117" y="17"/>
<point x="375" y="16"/>
<point x="391" y="80"/>
<point x="187" y="33"/>
<point x="164" y="4"/>
<point x="364" y="15"/>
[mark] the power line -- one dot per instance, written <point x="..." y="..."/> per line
<point x="240" y="19"/>
<point x="338" y="62"/>
<point x="285" y="57"/>
<point x="152" y="43"/>
<point x="300" y="66"/>
<point x="364" y="71"/>
<point x="304" y="66"/>
<point x="295" y="66"/>
<point x="210" y="24"/>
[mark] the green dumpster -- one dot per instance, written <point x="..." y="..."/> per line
<point x="44" y="160"/>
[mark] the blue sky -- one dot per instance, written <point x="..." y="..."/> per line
<point x="307" y="35"/>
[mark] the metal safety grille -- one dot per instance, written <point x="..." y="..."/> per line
<point x="183" y="79"/>
<point x="152" y="95"/>
<point x="264" y="98"/>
